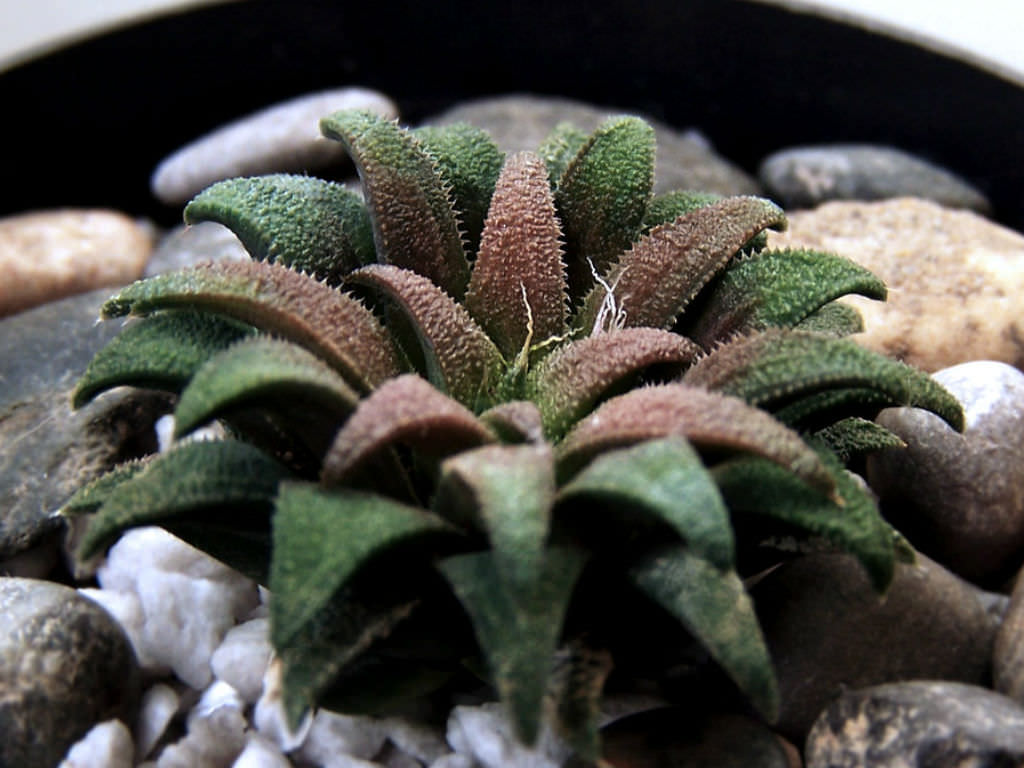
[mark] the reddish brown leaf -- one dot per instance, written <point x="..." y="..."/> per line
<point x="655" y="280"/>
<point x="405" y="410"/>
<point x="518" y="283"/>
<point x="707" y="419"/>
<point x="568" y="383"/>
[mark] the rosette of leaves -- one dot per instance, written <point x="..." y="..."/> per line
<point x="475" y="416"/>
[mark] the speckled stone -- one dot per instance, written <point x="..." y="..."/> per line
<point x="65" y="665"/>
<point x="919" y="724"/>
<point x="186" y="246"/>
<point x="955" y="279"/>
<point x="685" y="159"/>
<point x="803" y="177"/>
<point x="827" y="629"/>
<point x="52" y="254"/>
<point x="1008" y="654"/>
<point x="960" y="498"/>
<point x="284" y="137"/>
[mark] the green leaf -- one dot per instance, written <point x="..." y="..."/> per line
<point x="669" y="206"/>
<point x="280" y="301"/>
<point x="460" y="359"/>
<point x="667" y="480"/>
<point x="708" y="420"/>
<point x="559" y="148"/>
<point x="506" y="491"/>
<point x="578" y="680"/>
<point x="854" y="436"/>
<point x="262" y="370"/>
<point x="302" y="222"/>
<point x="517" y="291"/>
<point x="403" y="410"/>
<point x="603" y="194"/>
<point x="774" y="367"/>
<point x="833" y="319"/>
<point x="717" y="610"/>
<point x="158" y="352"/>
<point x="188" y="481"/>
<point x="92" y="496"/>
<point x="517" y="625"/>
<point x="757" y="487"/>
<point x="819" y="409"/>
<point x="777" y="289"/>
<point x="661" y="274"/>
<point x="570" y="381"/>
<point x="414" y="225"/>
<point x="470" y="162"/>
<point x="322" y="538"/>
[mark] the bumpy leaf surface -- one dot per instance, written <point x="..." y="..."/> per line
<point x="853" y="436"/>
<point x="603" y="194"/>
<point x="262" y="370"/>
<point x="667" y="480"/>
<point x="407" y="410"/>
<point x="518" y="292"/>
<point x="414" y="225"/>
<point x="767" y="369"/>
<point x="665" y="269"/>
<point x="469" y="161"/>
<point x="833" y="319"/>
<point x="706" y="419"/>
<point x="311" y="225"/>
<point x="778" y="289"/>
<point x="570" y="381"/>
<point x="333" y="325"/>
<point x="559" y="148"/>
<point x="161" y="352"/>
<point x="714" y="606"/>
<point x="460" y="358"/>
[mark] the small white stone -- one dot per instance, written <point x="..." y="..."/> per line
<point x="334" y="734"/>
<point x="485" y="733"/>
<point x="242" y="658"/>
<point x="416" y="739"/>
<point x="454" y="760"/>
<point x="157" y="709"/>
<point x="269" y="717"/>
<point x="212" y="741"/>
<point x="218" y="696"/>
<point x="260" y="753"/>
<point x="106" y="745"/>
<point x="282" y="137"/>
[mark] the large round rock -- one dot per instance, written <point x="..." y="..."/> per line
<point x="65" y="665"/>
<point x="960" y="498"/>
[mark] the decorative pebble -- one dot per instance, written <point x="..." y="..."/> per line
<point x="1008" y="653"/>
<point x="214" y="740"/>
<point x="485" y="733"/>
<point x="64" y="666"/>
<point x="242" y="658"/>
<point x="107" y="745"/>
<point x="827" y="629"/>
<point x="803" y="177"/>
<point x="955" y="280"/>
<point x="269" y="717"/>
<point x="333" y="734"/>
<point x="282" y="137"/>
<point x="685" y="160"/>
<point x="186" y="601"/>
<point x="192" y="244"/>
<point x="52" y="254"/>
<point x="159" y="705"/>
<point x="960" y="498"/>
<point x="919" y="723"/>
<point x="260" y="753"/>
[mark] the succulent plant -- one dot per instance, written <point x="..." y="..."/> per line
<point x="477" y="416"/>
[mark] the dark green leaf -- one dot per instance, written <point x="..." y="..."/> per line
<point x="302" y="222"/>
<point x="159" y="352"/>
<point x="854" y="436"/>
<point x="262" y="370"/>
<point x="669" y="206"/>
<point x="667" y="480"/>
<point x="469" y="161"/>
<point x="414" y="225"/>
<point x="833" y="319"/>
<point x="559" y="148"/>
<point x="91" y="497"/>
<point x="717" y="610"/>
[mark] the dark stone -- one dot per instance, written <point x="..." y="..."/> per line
<point x="827" y="630"/>
<point x="960" y="498"/>
<point x="685" y="160"/>
<point x="65" y="665"/>
<point x="47" y="450"/>
<point x="804" y="177"/>
<point x="670" y="738"/>
<point x="918" y="724"/>
<point x="1008" y="654"/>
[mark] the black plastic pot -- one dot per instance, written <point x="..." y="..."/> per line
<point x="86" y="125"/>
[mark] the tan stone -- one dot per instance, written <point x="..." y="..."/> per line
<point x="955" y="279"/>
<point x="51" y="254"/>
